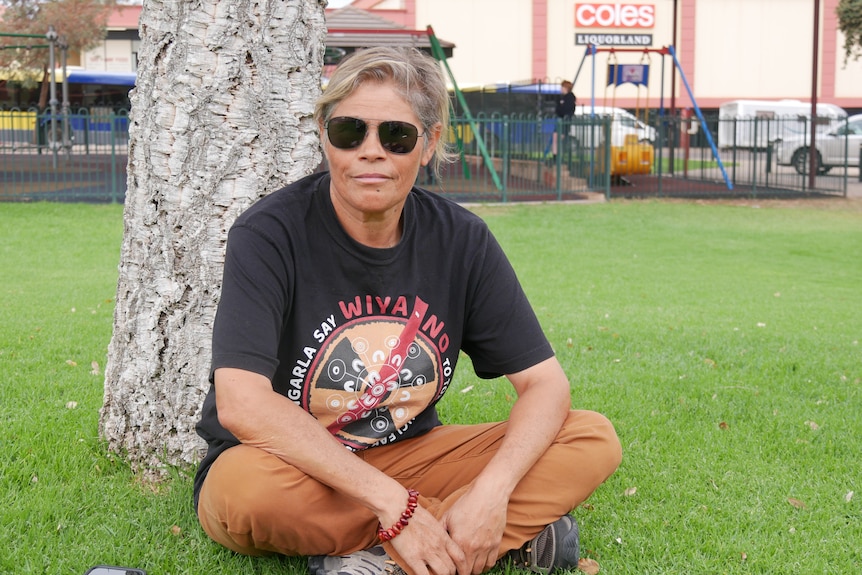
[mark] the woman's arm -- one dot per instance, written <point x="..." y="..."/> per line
<point x="476" y="522"/>
<point x="259" y="417"/>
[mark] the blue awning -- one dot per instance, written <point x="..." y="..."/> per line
<point x="533" y="88"/>
<point x="99" y="77"/>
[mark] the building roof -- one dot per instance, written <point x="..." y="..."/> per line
<point x="350" y="28"/>
<point x="124" y="17"/>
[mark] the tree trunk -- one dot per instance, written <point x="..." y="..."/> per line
<point x="221" y="116"/>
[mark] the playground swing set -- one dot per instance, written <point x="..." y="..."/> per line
<point x="638" y="74"/>
<point x="633" y="156"/>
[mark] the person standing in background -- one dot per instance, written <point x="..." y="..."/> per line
<point x="565" y="110"/>
<point x="565" y="107"/>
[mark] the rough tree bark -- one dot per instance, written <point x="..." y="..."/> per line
<point x="221" y="116"/>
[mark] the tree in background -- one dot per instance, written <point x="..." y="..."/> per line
<point x="850" y="23"/>
<point x="80" y="23"/>
<point x="221" y="116"/>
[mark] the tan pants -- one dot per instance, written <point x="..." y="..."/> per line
<point x="254" y="503"/>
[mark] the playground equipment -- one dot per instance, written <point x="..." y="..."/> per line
<point x="440" y="55"/>
<point x="631" y="143"/>
<point x="638" y="74"/>
<point x="633" y="157"/>
<point x="635" y="74"/>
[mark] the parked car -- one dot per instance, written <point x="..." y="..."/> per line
<point x="623" y="124"/>
<point x="755" y="123"/>
<point x="837" y="147"/>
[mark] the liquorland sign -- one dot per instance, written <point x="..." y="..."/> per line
<point x="602" y="17"/>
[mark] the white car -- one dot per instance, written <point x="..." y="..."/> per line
<point x="623" y="123"/>
<point x="837" y="147"/>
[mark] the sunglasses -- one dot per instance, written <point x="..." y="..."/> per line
<point x="347" y="133"/>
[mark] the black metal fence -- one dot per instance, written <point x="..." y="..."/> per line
<point x="78" y="157"/>
<point x="503" y="158"/>
<point x="761" y="156"/>
<point x="541" y="158"/>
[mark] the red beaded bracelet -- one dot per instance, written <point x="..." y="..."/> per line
<point x="392" y="532"/>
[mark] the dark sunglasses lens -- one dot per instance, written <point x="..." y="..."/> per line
<point x="346" y="133"/>
<point x="398" y="137"/>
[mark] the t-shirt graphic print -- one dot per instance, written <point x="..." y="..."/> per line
<point x="373" y="376"/>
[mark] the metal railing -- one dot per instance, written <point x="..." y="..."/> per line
<point x="524" y="157"/>
<point x="69" y="157"/>
<point x="756" y="157"/>
<point x="760" y="157"/>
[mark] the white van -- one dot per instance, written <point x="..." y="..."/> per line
<point x="756" y="123"/>
<point x="623" y="124"/>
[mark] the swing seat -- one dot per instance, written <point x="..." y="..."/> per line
<point x="632" y="157"/>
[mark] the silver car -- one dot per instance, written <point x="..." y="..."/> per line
<point x="835" y="148"/>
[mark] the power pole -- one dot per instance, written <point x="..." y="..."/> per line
<point x="812" y="151"/>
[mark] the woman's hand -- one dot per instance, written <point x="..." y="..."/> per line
<point x="426" y="548"/>
<point x="476" y="523"/>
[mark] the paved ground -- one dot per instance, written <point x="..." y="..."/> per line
<point x="853" y="202"/>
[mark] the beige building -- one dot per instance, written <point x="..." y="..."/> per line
<point x="727" y="49"/>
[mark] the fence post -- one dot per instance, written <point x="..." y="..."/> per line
<point x="768" y="152"/>
<point x="87" y="120"/>
<point x="559" y="162"/>
<point x="504" y="148"/>
<point x="735" y="147"/>
<point x="754" y="148"/>
<point x="607" y="127"/>
<point x="113" y="158"/>
<point x="665" y="129"/>
<point x="805" y="179"/>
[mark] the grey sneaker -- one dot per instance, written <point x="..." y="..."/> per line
<point x="374" y="561"/>
<point x="556" y="547"/>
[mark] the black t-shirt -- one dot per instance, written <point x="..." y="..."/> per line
<point x="364" y="339"/>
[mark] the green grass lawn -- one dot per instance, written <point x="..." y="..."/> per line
<point x="722" y="340"/>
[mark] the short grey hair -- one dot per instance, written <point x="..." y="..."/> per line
<point x="417" y="77"/>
